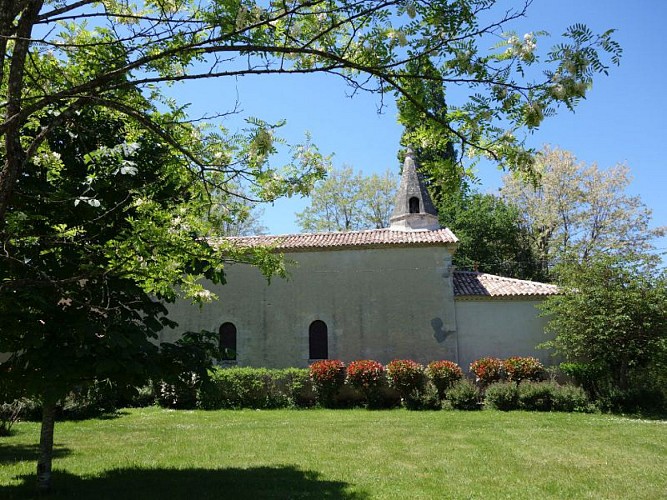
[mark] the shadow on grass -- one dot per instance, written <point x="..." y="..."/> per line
<point x="22" y="452"/>
<point x="146" y="484"/>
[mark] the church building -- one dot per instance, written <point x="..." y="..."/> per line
<point x="380" y="294"/>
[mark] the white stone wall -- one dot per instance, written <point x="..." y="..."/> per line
<point x="500" y="328"/>
<point x="377" y="303"/>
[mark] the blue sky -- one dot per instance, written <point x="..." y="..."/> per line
<point x="624" y="118"/>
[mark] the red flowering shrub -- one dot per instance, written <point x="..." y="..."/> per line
<point x="488" y="370"/>
<point x="328" y="377"/>
<point x="443" y="374"/>
<point x="520" y="368"/>
<point x="367" y="376"/>
<point x="406" y="376"/>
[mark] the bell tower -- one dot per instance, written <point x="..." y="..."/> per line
<point x="413" y="207"/>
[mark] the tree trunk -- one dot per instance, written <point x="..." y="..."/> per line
<point x="14" y="154"/>
<point x="46" y="447"/>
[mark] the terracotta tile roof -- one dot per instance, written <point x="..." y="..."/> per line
<point x="471" y="284"/>
<point x="349" y="239"/>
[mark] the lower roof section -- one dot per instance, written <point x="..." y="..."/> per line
<point x="468" y="284"/>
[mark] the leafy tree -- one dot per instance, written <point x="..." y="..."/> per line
<point x="575" y="210"/>
<point x="612" y="314"/>
<point x="348" y="201"/>
<point x="101" y="226"/>
<point x="492" y="238"/>
<point x="431" y="143"/>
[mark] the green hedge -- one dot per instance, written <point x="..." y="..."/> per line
<point x="536" y="396"/>
<point x="259" y="388"/>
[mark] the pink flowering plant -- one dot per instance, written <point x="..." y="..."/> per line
<point x="368" y="377"/>
<point x="328" y="377"/>
<point x="488" y="370"/>
<point x="520" y="368"/>
<point x="406" y="376"/>
<point x="443" y="374"/>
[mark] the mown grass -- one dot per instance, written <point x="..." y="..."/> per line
<point x="345" y="454"/>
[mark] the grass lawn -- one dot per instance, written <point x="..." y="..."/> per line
<point x="345" y="454"/>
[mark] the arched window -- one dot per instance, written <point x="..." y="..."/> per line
<point x="414" y="205"/>
<point x="227" y="342"/>
<point x="318" y="344"/>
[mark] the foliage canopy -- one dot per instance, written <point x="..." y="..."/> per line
<point x="612" y="314"/>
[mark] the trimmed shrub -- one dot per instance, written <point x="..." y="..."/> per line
<point x="537" y="396"/>
<point x="443" y="374"/>
<point x="487" y="370"/>
<point x="464" y="395"/>
<point x="570" y="398"/>
<point x="369" y="378"/>
<point x="328" y="377"/>
<point x="519" y="368"/>
<point x="257" y="388"/>
<point x="424" y="399"/>
<point x="503" y="396"/>
<point x="406" y="376"/>
<point x="297" y="387"/>
<point x="636" y="400"/>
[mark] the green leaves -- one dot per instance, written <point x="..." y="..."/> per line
<point x="612" y="313"/>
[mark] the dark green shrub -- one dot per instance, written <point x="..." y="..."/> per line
<point x="636" y="400"/>
<point x="328" y="378"/>
<point x="570" y="398"/>
<point x="297" y="387"/>
<point x="645" y="391"/>
<point x="464" y="395"/>
<point x="425" y="399"/>
<point x="536" y="396"/>
<point x="502" y="396"/>
<point x="443" y="374"/>
<point x="519" y="368"/>
<point x="406" y="377"/>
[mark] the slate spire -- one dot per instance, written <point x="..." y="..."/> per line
<point x="413" y="207"/>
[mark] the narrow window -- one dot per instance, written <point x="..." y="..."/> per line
<point x="318" y="344"/>
<point x="414" y="205"/>
<point x="228" y="342"/>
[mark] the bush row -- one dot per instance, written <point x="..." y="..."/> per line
<point x="509" y="384"/>
<point x="500" y="384"/>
